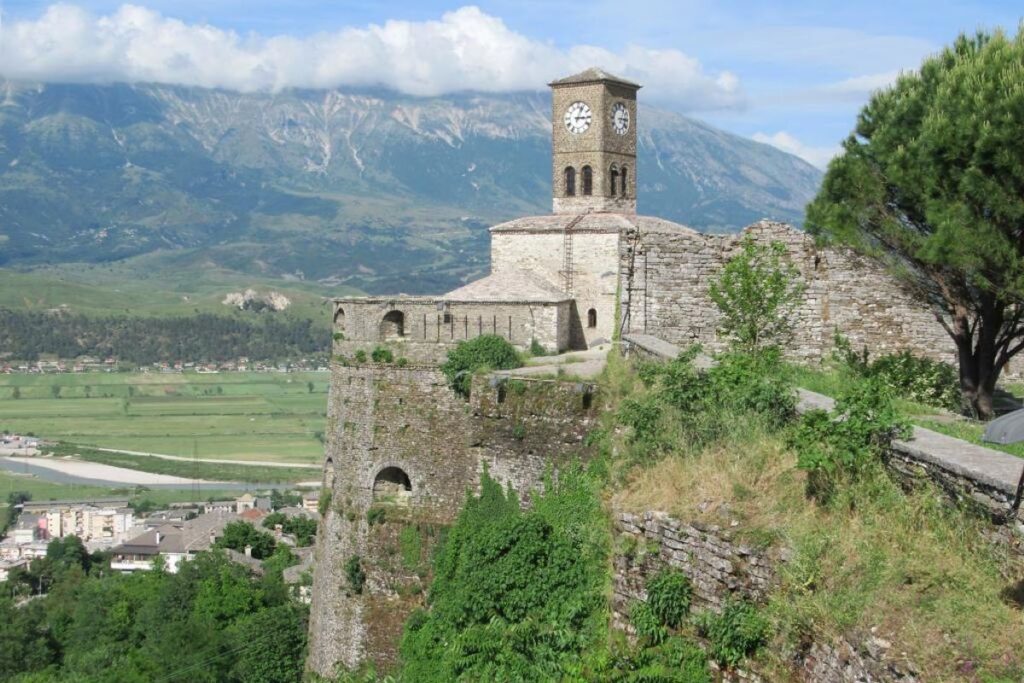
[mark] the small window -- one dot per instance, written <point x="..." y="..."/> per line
<point x="592" y="318"/>
<point x="614" y="175"/>
<point x="447" y="318"/>
<point x="570" y="181"/>
<point x="588" y="181"/>
<point x="622" y="180"/>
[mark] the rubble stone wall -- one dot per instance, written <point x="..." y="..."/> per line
<point x="666" y="274"/>
<point x="384" y="418"/>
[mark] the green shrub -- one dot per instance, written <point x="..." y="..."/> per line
<point x="485" y="352"/>
<point x="402" y="362"/>
<point x="536" y="348"/>
<point x="649" y="628"/>
<point x="911" y="377"/>
<point x="668" y="595"/>
<point x="382" y="354"/>
<point x="360" y="356"/>
<point x="338" y="336"/>
<point x="738" y="632"/>
<point x="411" y="547"/>
<point x="323" y="503"/>
<point x="355" y="574"/>
<point x="852" y="438"/>
<point x="376" y="515"/>
<point x="757" y="292"/>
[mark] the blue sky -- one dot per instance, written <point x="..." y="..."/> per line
<point x="790" y="73"/>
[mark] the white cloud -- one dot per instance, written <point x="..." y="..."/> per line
<point x="859" y="87"/>
<point x="465" y="49"/>
<point x="816" y="156"/>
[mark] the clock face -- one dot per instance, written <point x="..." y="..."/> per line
<point x="577" y="117"/>
<point x="620" y="118"/>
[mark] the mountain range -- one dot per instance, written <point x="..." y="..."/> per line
<point x="366" y="189"/>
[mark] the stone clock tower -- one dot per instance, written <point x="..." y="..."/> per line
<point x="593" y="143"/>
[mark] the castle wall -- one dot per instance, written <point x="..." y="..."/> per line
<point x="595" y="271"/>
<point x="666" y="275"/>
<point x="383" y="416"/>
<point x="431" y="326"/>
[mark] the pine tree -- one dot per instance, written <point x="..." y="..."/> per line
<point x="931" y="184"/>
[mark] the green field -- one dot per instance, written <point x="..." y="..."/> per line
<point x="232" y="415"/>
<point x="44" y="490"/>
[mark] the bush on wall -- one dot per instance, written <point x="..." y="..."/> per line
<point x="487" y="351"/>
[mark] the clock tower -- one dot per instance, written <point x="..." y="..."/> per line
<point x="593" y="143"/>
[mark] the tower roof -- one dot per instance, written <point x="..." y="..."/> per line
<point x="594" y="75"/>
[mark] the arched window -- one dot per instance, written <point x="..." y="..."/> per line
<point x="592" y="318"/>
<point x="339" y="320"/>
<point x="614" y="175"/>
<point x="570" y="181"/>
<point x="329" y="474"/>
<point x="392" y="326"/>
<point x="588" y="181"/>
<point x="622" y="176"/>
<point x="391" y="485"/>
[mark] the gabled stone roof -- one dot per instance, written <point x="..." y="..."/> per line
<point x="509" y="286"/>
<point x="593" y="75"/>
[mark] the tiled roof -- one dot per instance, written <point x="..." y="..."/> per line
<point x="509" y="285"/>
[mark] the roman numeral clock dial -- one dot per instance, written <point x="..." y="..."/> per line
<point x="577" y="117"/>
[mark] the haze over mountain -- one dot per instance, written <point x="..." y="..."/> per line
<point x="368" y="188"/>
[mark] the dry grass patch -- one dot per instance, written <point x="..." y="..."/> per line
<point x="910" y="567"/>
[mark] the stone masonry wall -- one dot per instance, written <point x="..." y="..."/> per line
<point x="431" y="327"/>
<point x="383" y="416"/>
<point x="722" y="568"/>
<point x="669" y="271"/>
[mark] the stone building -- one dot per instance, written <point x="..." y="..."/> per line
<point x="403" y="448"/>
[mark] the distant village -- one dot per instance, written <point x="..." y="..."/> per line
<point x="90" y="364"/>
<point x="164" y="538"/>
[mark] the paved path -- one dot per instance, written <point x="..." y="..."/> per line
<point x="219" y="461"/>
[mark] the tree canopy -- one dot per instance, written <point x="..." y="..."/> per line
<point x="931" y="184"/>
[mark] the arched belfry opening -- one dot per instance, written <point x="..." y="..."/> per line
<point x="339" y="319"/>
<point x="392" y="485"/>
<point x="392" y="326"/>
<point x="592" y="318"/>
<point x="622" y="179"/>
<point x="570" y="181"/>
<point x="613" y="174"/>
<point x="588" y="181"/>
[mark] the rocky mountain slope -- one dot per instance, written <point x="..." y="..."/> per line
<point x="367" y="188"/>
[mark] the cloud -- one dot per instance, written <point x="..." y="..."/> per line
<point x="859" y="87"/>
<point x="816" y="156"/>
<point x="465" y="49"/>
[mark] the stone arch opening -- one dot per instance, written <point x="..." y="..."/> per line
<point x="392" y="485"/>
<point x="392" y="326"/>
<point x="588" y="181"/>
<point x="613" y="174"/>
<point x="570" y="181"/>
<point x="592" y="318"/>
<point x="622" y="179"/>
<point x="329" y="474"/>
<point x="339" y="320"/>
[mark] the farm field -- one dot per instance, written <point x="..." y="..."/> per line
<point x="45" y="490"/>
<point x="244" y="416"/>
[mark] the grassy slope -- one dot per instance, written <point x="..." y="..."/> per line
<point x="916" y="570"/>
<point x="243" y="416"/>
<point x="143" y="286"/>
